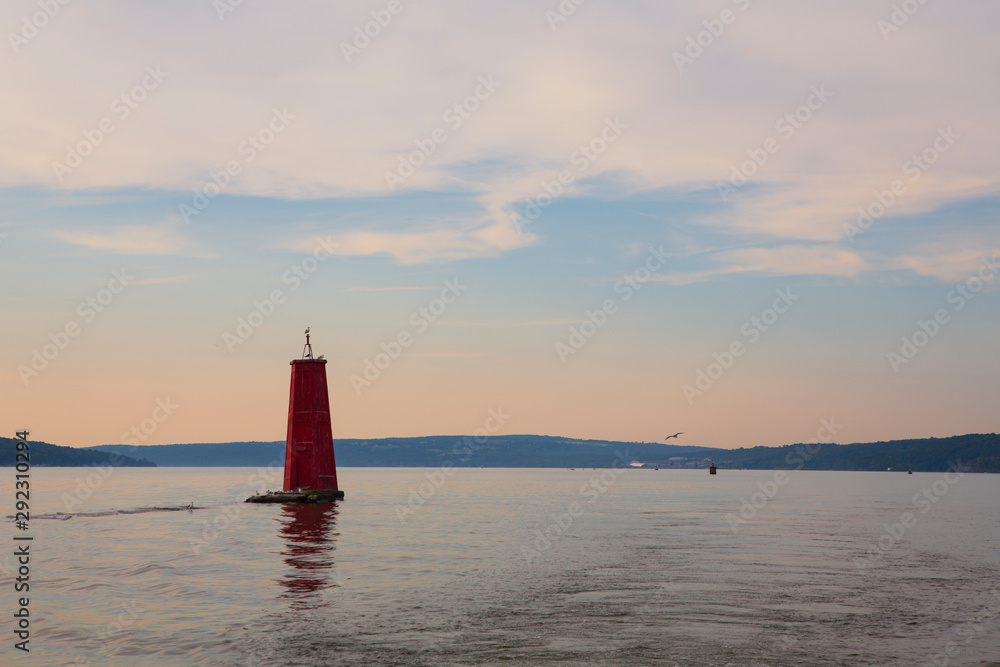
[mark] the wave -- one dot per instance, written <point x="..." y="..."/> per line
<point x="63" y="516"/>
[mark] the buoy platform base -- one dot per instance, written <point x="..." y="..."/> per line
<point x="312" y="496"/>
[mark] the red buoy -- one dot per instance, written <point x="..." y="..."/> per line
<point x="309" y="461"/>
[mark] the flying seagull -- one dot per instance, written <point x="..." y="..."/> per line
<point x="674" y="435"/>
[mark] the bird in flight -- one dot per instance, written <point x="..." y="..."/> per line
<point x="674" y="435"/>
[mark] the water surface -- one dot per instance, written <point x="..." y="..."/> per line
<point x="515" y="567"/>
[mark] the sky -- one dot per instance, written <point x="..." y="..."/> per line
<point x="757" y="223"/>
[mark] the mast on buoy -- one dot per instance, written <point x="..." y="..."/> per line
<point x="307" y="351"/>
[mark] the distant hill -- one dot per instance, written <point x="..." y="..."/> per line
<point x="498" y="451"/>
<point x="42" y="453"/>
<point x="220" y="454"/>
<point x="975" y="453"/>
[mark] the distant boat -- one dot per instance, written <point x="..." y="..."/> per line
<point x="711" y="471"/>
<point x="909" y="472"/>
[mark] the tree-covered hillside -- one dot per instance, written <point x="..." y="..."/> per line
<point x="977" y="453"/>
<point x="974" y="453"/>
<point x="507" y="451"/>
<point x="42" y="453"/>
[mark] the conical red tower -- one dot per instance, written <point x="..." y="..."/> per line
<point x="309" y="462"/>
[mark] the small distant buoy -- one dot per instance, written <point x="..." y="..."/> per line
<point x="711" y="471"/>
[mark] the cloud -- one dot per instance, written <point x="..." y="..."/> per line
<point x="165" y="280"/>
<point x="422" y="245"/>
<point x="784" y="260"/>
<point x="162" y="239"/>
<point x="446" y="355"/>
<point x="954" y="264"/>
<point x="388" y="289"/>
<point x="535" y="323"/>
<point x="354" y="120"/>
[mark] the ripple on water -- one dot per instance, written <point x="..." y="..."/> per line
<point x="651" y="573"/>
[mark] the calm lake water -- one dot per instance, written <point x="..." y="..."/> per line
<point x="513" y="567"/>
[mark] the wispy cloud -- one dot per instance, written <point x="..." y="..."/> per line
<point x="785" y="260"/>
<point x="167" y="280"/>
<point x="389" y="289"/>
<point x="686" y="132"/>
<point x="536" y="323"/>
<point x="446" y="355"/>
<point x="947" y="264"/>
<point x="157" y="239"/>
<point x="454" y="242"/>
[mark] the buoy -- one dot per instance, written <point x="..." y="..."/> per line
<point x="310" y="467"/>
<point x="711" y="471"/>
<point x="309" y="461"/>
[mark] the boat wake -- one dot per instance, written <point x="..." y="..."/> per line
<point x="64" y="516"/>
